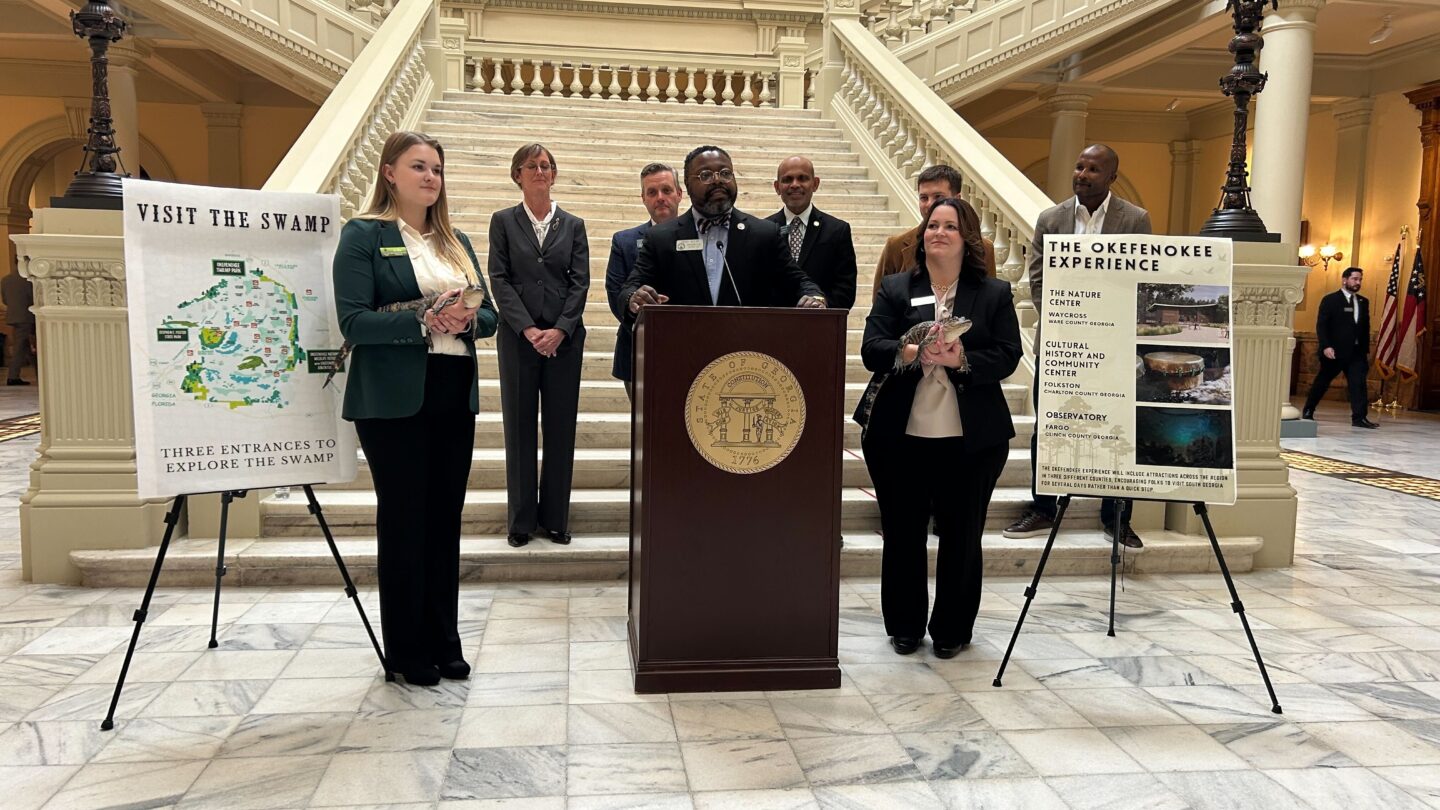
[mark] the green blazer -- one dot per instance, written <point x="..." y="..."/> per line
<point x="386" y="377"/>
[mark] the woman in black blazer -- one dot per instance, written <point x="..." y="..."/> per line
<point x="937" y="434"/>
<point x="540" y="268"/>
<point x="412" y="393"/>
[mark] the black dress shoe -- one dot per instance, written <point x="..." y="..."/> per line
<point x="904" y="645"/>
<point x="17" y="382"/>
<point x="517" y="539"/>
<point x="1363" y="422"/>
<point x="560" y="538"/>
<point x="420" y="676"/>
<point x="456" y="670"/>
<point x="943" y="650"/>
<point x="1308" y="413"/>
<point x="1128" y="537"/>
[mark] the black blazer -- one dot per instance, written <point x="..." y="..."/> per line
<point x="758" y="258"/>
<point x="992" y="346"/>
<point x="827" y="255"/>
<point x="386" y="378"/>
<point x="541" y="286"/>
<point x="1336" y="328"/>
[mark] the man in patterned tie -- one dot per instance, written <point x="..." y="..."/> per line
<point x="714" y="254"/>
<point x="819" y="243"/>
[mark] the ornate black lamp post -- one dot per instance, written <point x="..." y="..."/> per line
<point x="1234" y="218"/>
<point x="97" y="184"/>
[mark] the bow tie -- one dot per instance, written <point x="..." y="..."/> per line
<point x="704" y="225"/>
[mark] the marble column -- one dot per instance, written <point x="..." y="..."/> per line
<point x="1267" y="285"/>
<point x="82" y="492"/>
<point x="1182" y="185"/>
<point x="1352" y="151"/>
<point x="1069" y="106"/>
<point x="790" y="53"/>
<point x="830" y="77"/>
<point x="453" y="31"/>
<point x="222" y="130"/>
<point x="125" y="58"/>
<point x="1282" y="116"/>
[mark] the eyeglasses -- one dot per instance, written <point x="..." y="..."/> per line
<point x="542" y="168"/>
<point x="709" y="178"/>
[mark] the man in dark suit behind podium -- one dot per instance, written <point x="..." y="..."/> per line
<point x="660" y="192"/>
<point x="819" y="243"/>
<point x="715" y="255"/>
<point x="1343" y="327"/>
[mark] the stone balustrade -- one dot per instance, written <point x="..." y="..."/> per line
<point x="749" y="86"/>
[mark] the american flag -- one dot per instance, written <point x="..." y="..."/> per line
<point x="1412" y="324"/>
<point x="1389" y="336"/>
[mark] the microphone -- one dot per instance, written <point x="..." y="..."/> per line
<point x="725" y="265"/>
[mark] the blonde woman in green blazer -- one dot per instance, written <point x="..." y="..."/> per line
<point x="413" y="395"/>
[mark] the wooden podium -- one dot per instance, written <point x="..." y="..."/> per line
<point x="735" y="575"/>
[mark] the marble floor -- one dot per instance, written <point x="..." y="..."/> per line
<point x="290" y="712"/>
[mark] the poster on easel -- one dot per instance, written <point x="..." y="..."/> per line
<point x="232" y="333"/>
<point x="1136" y="374"/>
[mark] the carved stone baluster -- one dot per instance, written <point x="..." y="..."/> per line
<point x="766" y="100"/>
<point x="632" y="90"/>
<point x="811" y="77"/>
<point x="916" y="27"/>
<point x="747" y="91"/>
<point x="595" y="86"/>
<point x="987" y="219"/>
<point x="710" y="85"/>
<point x="1014" y="266"/>
<point x="576" y="88"/>
<point x="916" y="158"/>
<point x="517" y="86"/>
<point x="938" y="14"/>
<point x="497" y="82"/>
<point x="893" y="28"/>
<point x="727" y="98"/>
<point x="690" y="86"/>
<point x="537" y="87"/>
<point x="671" y="91"/>
<point x="652" y="90"/>
<point x="614" y="88"/>
<point x="1002" y="249"/>
<point x="555" y="84"/>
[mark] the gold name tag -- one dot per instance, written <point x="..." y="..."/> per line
<point x="394" y="251"/>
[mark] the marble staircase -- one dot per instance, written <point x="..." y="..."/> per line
<point x="599" y="147"/>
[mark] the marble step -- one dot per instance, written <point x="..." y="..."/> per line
<point x="620" y="174"/>
<point x="597" y="429"/>
<point x="754" y="162"/>
<point x="472" y="213"/>
<point x="1083" y="550"/>
<point x="624" y="204"/>
<point x="609" y="468"/>
<point x="352" y="512"/>
<point x="833" y="197"/>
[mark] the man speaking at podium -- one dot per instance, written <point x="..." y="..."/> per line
<point x="715" y="255"/>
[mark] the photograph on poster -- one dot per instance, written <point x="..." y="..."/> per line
<point x="1182" y="313"/>
<point x="1185" y="375"/>
<point x="1183" y="437"/>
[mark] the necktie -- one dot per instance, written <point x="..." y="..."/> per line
<point x="797" y="238"/>
<point x="704" y="225"/>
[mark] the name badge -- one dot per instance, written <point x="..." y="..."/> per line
<point x="922" y="300"/>
<point x="639" y="244"/>
<point x="688" y="244"/>
<point x="1348" y="309"/>
<point x="389" y="252"/>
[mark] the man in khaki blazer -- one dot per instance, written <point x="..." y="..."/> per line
<point x="935" y="183"/>
<point x="1093" y="209"/>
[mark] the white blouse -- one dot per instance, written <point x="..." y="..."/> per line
<point x="935" y="411"/>
<point x="434" y="275"/>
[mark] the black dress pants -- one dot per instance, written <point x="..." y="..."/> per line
<point x="549" y="388"/>
<point x="421" y="465"/>
<point x="914" y="480"/>
<point x="1047" y="505"/>
<point x="1355" y="367"/>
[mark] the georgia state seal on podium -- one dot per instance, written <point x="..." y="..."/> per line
<point x="745" y="412"/>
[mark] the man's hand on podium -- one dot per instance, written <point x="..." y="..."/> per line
<point x="646" y="295"/>
<point x="811" y="302"/>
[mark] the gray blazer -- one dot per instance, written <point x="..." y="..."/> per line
<point x="542" y="286"/>
<point x="1120" y="217"/>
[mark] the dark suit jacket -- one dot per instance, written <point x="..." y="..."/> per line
<point x="1120" y="217"/>
<point x="992" y="346"/>
<point x="623" y="247"/>
<point x="827" y="255"/>
<point x="386" y="377"/>
<point x="758" y="258"/>
<point x="1336" y="328"/>
<point x="541" y="286"/>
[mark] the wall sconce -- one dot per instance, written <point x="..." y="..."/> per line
<point x="1325" y="253"/>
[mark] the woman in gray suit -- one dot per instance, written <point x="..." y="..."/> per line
<point x="540" y="274"/>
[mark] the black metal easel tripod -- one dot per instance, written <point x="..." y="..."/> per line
<point x="171" y="518"/>
<point x="1235" y="603"/>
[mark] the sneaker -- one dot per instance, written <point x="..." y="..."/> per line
<point x="1030" y="524"/>
<point x="1128" y="537"/>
